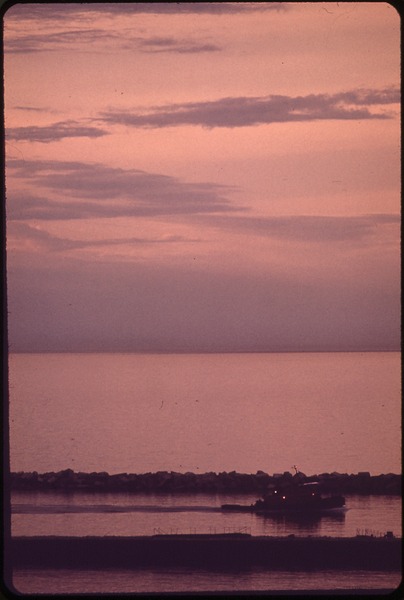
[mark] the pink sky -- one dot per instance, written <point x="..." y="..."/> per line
<point x="203" y="177"/>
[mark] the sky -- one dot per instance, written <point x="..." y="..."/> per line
<point x="202" y="177"/>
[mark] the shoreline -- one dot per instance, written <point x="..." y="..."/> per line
<point x="184" y="483"/>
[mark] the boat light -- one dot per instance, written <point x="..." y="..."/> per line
<point x="283" y="497"/>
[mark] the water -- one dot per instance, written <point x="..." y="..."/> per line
<point x="146" y="514"/>
<point x="136" y="413"/>
<point x="244" y="412"/>
<point x="192" y="580"/>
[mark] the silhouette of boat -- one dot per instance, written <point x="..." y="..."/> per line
<point x="304" y="498"/>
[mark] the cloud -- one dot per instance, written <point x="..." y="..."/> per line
<point x="73" y="190"/>
<point x="388" y="95"/>
<point x="31" y="108"/>
<point x="307" y="228"/>
<point x="226" y="112"/>
<point x="60" y="11"/>
<point x="91" y="40"/>
<point x="54" y="132"/>
<point x="36" y="42"/>
<point x="43" y="240"/>
<point x="166" y="44"/>
<point x="247" y="111"/>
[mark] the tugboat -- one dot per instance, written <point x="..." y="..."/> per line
<point x="293" y="497"/>
<point x="303" y="497"/>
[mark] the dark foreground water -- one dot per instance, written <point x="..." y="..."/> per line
<point x="192" y="580"/>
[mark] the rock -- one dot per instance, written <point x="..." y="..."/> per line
<point x="173" y="482"/>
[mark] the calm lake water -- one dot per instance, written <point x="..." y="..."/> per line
<point x="137" y="413"/>
<point x="221" y="412"/>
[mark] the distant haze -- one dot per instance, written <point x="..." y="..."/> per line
<point x="203" y="177"/>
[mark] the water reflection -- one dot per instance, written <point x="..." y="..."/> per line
<point x="304" y="519"/>
<point x="303" y="524"/>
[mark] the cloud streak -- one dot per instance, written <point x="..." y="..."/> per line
<point x="180" y="46"/>
<point x="91" y="40"/>
<point x="226" y="112"/>
<point x="248" y="111"/>
<point x="45" y="241"/>
<point x="318" y="229"/>
<point x="54" y="132"/>
<point x="74" y="190"/>
<point x="60" y="11"/>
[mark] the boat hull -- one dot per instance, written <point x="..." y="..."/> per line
<point x="302" y="511"/>
<point x="284" y="511"/>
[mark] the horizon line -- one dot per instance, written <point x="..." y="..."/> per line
<point x="313" y="351"/>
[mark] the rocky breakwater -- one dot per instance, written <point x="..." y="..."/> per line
<point x="225" y="482"/>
